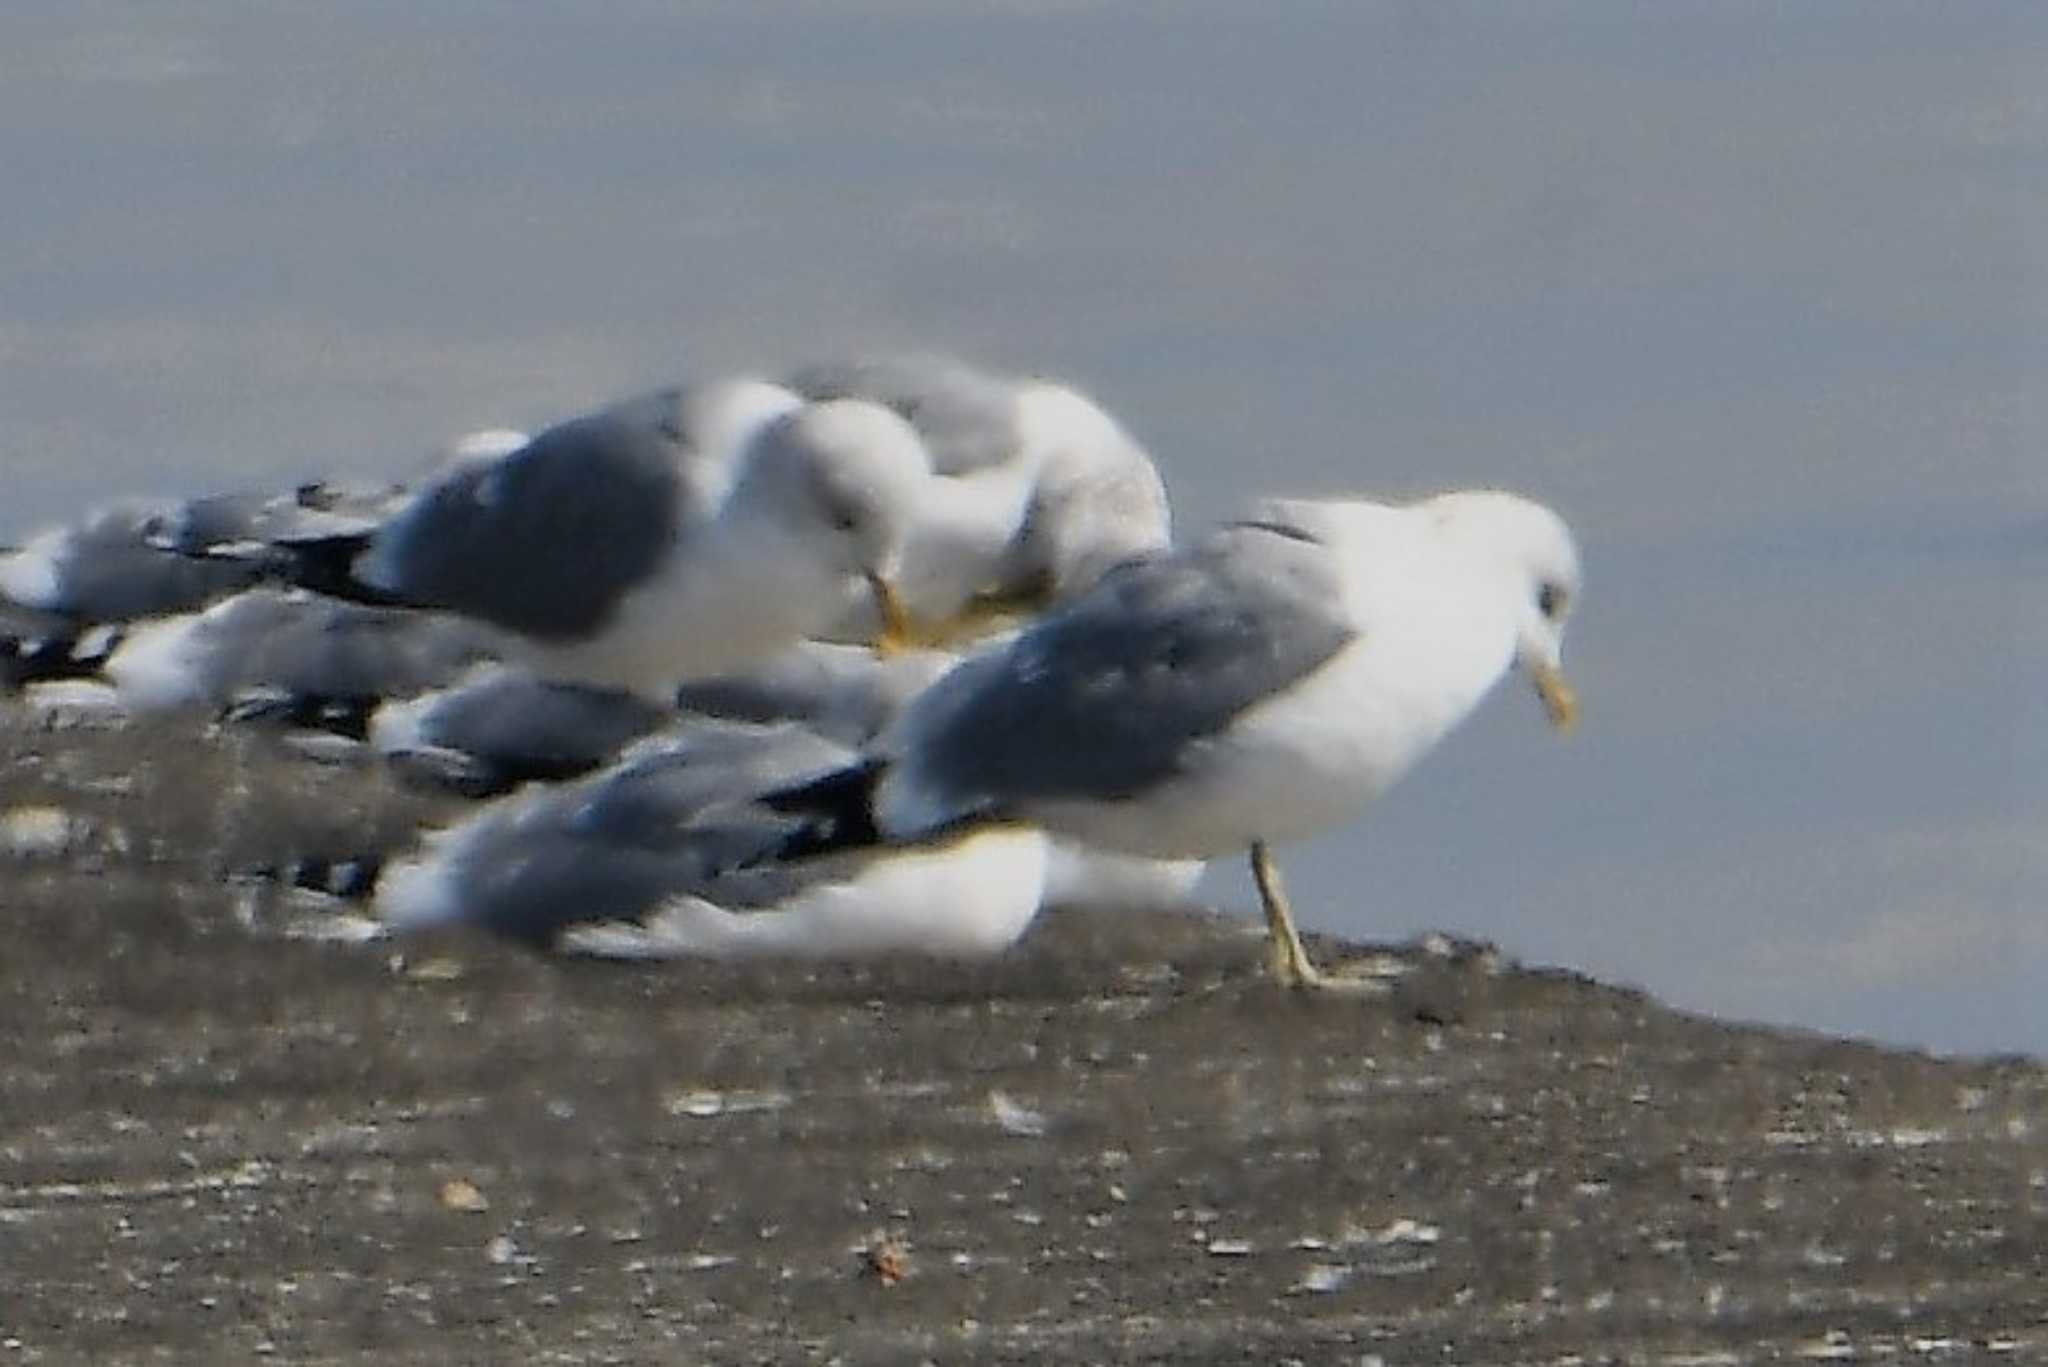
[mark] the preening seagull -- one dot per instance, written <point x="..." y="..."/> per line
<point x="1257" y="688"/>
<point x="681" y="534"/>
<point x="1038" y="491"/>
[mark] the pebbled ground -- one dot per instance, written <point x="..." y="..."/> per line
<point x="219" y="1144"/>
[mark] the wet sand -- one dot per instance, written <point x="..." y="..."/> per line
<point x="218" y="1143"/>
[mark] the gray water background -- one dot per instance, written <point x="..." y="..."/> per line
<point x="1752" y="293"/>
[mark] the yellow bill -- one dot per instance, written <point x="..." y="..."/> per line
<point x="1560" y="699"/>
<point x="897" y="632"/>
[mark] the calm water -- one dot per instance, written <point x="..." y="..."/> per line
<point x="1752" y="293"/>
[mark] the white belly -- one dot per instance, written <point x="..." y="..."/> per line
<point x="1308" y="760"/>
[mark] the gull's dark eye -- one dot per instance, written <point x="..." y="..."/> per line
<point x="1550" y="601"/>
<point x="835" y="508"/>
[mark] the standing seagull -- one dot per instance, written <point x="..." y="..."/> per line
<point x="683" y="534"/>
<point x="1259" y="687"/>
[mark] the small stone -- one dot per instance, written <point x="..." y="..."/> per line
<point x="702" y="1103"/>
<point x="1833" y="1346"/>
<point x="1015" y="1118"/>
<point x="41" y="832"/>
<point x="459" y="1193"/>
<point x="1407" y="1231"/>
<point x="887" y="1260"/>
<point x="1322" y="1278"/>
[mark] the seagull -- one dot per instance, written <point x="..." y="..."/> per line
<point x="276" y="651"/>
<point x="680" y="534"/>
<point x="1256" y="688"/>
<point x="151" y="557"/>
<point x="659" y="856"/>
<point x="71" y="593"/>
<point x="503" y="726"/>
<point x="1038" y="489"/>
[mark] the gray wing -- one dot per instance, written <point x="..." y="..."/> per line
<point x="237" y="526"/>
<point x="675" y="821"/>
<point x="156" y="558"/>
<point x="1104" y="698"/>
<point x="114" y="566"/>
<point x="512" y="727"/>
<point x="545" y="541"/>
<point x="967" y="417"/>
<point x="315" y="647"/>
<point x="845" y="692"/>
<point x="698" y="767"/>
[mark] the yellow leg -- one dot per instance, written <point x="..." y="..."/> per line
<point x="1286" y="959"/>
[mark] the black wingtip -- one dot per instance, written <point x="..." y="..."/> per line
<point x="50" y="657"/>
<point x="343" y="715"/>
<point x="837" y="811"/>
<point x="326" y="565"/>
<point x="349" y="878"/>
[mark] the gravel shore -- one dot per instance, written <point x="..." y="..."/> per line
<point x="1119" y="1144"/>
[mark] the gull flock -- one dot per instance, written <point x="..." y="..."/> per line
<point x="881" y="657"/>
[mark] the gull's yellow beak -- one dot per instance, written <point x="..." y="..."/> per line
<point x="985" y="614"/>
<point x="897" y="634"/>
<point x="980" y="616"/>
<point x="1560" y="699"/>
